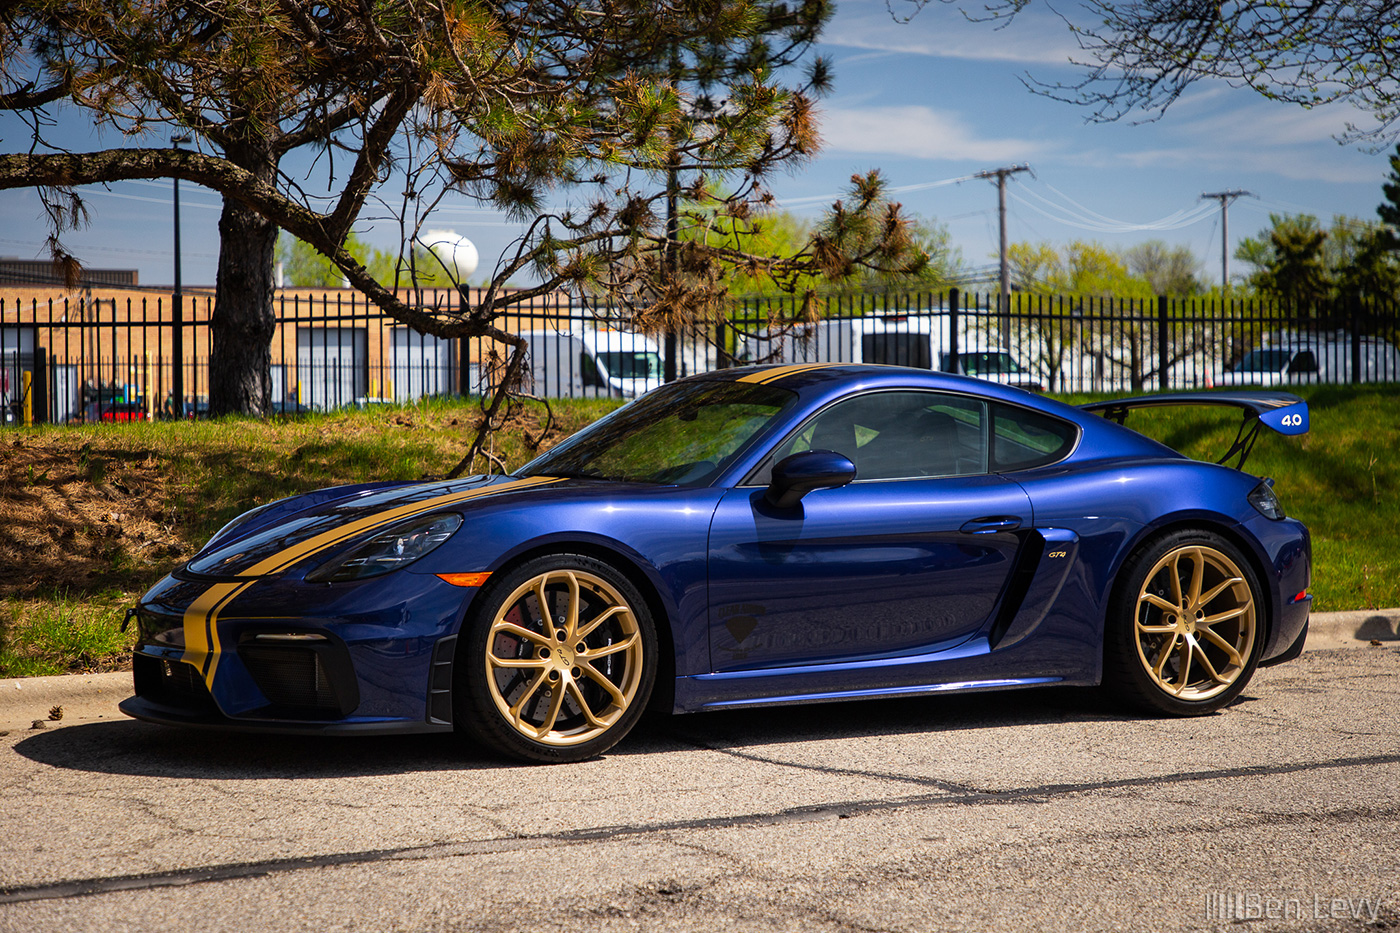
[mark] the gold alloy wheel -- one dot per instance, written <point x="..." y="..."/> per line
<point x="1195" y="623"/>
<point x="563" y="657"/>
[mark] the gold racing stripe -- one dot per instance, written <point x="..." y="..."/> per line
<point x="780" y="372"/>
<point x="201" y="621"/>
<point x="202" y="630"/>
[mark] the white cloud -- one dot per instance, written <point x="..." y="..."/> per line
<point x="1033" y="37"/>
<point x="916" y="132"/>
<point x="1275" y="124"/>
<point x="1299" y="165"/>
<point x="1279" y="139"/>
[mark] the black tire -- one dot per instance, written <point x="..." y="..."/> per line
<point x="563" y="691"/>
<point x="1162" y="651"/>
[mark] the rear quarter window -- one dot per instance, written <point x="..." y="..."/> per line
<point x="1023" y="439"/>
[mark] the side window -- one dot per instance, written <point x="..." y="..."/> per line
<point x="896" y="435"/>
<point x="1304" y="362"/>
<point x="588" y="369"/>
<point x="1022" y="439"/>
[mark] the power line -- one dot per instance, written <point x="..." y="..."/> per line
<point x="1091" y="220"/>
<point x="809" y="200"/>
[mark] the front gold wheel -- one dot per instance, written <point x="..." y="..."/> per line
<point x="560" y="662"/>
<point x="1195" y="623"/>
<point x="564" y="657"/>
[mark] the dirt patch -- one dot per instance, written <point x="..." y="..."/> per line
<point x="80" y="520"/>
<point x="86" y="511"/>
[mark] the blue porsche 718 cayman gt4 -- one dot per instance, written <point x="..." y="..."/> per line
<point x="748" y="537"/>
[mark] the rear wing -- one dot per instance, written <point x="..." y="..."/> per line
<point x="1280" y="411"/>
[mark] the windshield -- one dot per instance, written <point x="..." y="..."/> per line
<point x="682" y="434"/>
<point x="629" y="364"/>
<point x="979" y="364"/>
<point x="1263" y="361"/>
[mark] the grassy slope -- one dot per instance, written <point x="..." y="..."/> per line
<point x="94" y="515"/>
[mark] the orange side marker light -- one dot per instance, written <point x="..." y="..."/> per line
<point x="464" y="579"/>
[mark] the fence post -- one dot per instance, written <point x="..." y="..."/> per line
<point x="28" y="397"/>
<point x="722" y="358"/>
<point x="1163" y="356"/>
<point x="41" y="382"/>
<point x="1354" y="306"/>
<point x="953" y="296"/>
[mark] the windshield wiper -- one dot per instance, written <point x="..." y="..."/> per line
<point x="575" y="474"/>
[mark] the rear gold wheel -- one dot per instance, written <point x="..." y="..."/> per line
<point x="1185" y="631"/>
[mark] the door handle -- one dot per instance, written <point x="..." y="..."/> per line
<point x="991" y="525"/>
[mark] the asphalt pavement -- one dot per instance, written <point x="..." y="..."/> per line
<point x="1031" y="810"/>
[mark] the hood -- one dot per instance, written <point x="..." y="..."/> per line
<point x="295" y="530"/>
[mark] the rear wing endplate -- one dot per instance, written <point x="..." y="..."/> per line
<point x="1280" y="411"/>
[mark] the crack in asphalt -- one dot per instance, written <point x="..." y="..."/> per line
<point x="260" y="868"/>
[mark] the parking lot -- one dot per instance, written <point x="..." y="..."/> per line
<point x="1034" y="810"/>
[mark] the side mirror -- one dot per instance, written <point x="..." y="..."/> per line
<point x="799" y="474"/>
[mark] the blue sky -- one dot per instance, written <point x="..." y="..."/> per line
<point x="927" y="102"/>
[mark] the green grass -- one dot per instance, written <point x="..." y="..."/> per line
<point x="185" y="480"/>
<point x="59" y="634"/>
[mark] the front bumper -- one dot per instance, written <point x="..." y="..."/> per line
<point x="369" y="657"/>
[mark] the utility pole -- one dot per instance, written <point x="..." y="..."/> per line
<point x="177" y="309"/>
<point x="1226" y="198"/>
<point x="1004" y="296"/>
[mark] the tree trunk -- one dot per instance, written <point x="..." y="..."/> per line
<point x="242" y="325"/>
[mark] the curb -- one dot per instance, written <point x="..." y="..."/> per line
<point x="87" y="697"/>
<point x="1355" y="629"/>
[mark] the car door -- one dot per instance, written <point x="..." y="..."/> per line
<point x="909" y="558"/>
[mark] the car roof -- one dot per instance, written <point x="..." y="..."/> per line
<point x="807" y="378"/>
<point x="818" y="384"/>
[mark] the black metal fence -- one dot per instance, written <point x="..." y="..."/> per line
<point x="120" y="358"/>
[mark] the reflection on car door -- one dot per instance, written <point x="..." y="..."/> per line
<point x="872" y="568"/>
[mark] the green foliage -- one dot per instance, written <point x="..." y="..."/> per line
<point x="1389" y="209"/>
<point x="62" y="634"/>
<point x="934" y="264"/>
<point x="1169" y="270"/>
<point x="1090" y="269"/>
<point x="304" y="267"/>
<point x="1295" y="261"/>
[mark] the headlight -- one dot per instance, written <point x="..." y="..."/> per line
<point x="1265" y="502"/>
<point x="389" y="550"/>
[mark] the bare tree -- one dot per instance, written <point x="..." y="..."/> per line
<point x="1142" y="55"/>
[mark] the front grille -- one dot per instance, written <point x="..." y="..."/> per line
<point x="310" y="681"/>
<point x="170" y="683"/>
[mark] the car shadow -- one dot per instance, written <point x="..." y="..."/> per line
<point x="141" y="749"/>
<point x="927" y="715"/>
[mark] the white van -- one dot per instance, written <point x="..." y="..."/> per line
<point x="918" y="340"/>
<point x="584" y="360"/>
<point x="1283" y="359"/>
